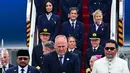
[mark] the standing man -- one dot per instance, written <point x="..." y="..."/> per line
<point x="73" y="27"/>
<point x="37" y="54"/>
<point x="5" y="60"/>
<point x="110" y="63"/>
<point x="96" y="49"/>
<point x="66" y="5"/>
<point x="61" y="61"/>
<point x="23" y="67"/>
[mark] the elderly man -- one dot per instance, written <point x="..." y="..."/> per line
<point x="5" y="60"/>
<point x="61" y="61"/>
<point x="110" y="63"/>
<point x="22" y="67"/>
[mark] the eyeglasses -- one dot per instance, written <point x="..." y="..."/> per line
<point x="23" y="58"/>
<point x="111" y="48"/>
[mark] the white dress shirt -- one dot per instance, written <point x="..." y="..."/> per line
<point x="73" y="22"/>
<point x="117" y="65"/>
<point x="62" y="58"/>
<point x="25" y="69"/>
<point x="6" y="67"/>
<point x="49" y="16"/>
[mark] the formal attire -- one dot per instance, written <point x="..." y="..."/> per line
<point x="93" y="51"/>
<point x="77" y="31"/>
<point x="37" y="56"/>
<point x="117" y="65"/>
<point x="79" y="53"/>
<point x="70" y="63"/>
<point x="7" y="67"/>
<point x="103" y="5"/>
<point x="51" y="23"/>
<point x="102" y="30"/>
<point x="18" y="69"/>
<point x="66" y="4"/>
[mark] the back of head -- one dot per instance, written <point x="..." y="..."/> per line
<point x="49" y="44"/>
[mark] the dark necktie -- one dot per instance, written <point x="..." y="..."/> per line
<point x="4" y="68"/>
<point x="22" y="70"/>
<point x="72" y="25"/>
<point x="60" y="59"/>
<point x="71" y="51"/>
<point x="94" y="50"/>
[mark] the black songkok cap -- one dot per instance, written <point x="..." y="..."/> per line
<point x="22" y="53"/>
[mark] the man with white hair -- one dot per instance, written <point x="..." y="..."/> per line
<point x="5" y="60"/>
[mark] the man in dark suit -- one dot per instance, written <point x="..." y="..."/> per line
<point x="61" y="61"/>
<point x="5" y="60"/>
<point x="103" y="5"/>
<point x="22" y="67"/>
<point x="66" y="4"/>
<point x="72" y="48"/>
<point x="73" y="27"/>
<point x="37" y="54"/>
<point x="96" y="49"/>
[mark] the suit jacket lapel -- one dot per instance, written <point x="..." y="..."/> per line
<point x="16" y="69"/>
<point x="29" y="71"/>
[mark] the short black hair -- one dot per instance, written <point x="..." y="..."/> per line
<point x="112" y="41"/>
<point x="44" y="6"/>
<point x="73" y="8"/>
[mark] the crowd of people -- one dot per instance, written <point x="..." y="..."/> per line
<point x="62" y="52"/>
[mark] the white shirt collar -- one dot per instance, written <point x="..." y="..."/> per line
<point x="7" y="66"/>
<point x="72" y="21"/>
<point x="96" y="47"/>
<point x="49" y="16"/>
<point x="25" y="69"/>
<point x="71" y="49"/>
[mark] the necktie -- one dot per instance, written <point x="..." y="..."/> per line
<point x="60" y="59"/>
<point x="94" y="50"/>
<point x="4" y="68"/>
<point x="22" y="70"/>
<point x="71" y="51"/>
<point x="73" y="25"/>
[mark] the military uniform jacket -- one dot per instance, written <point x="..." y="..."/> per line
<point x="103" y="5"/>
<point x="78" y="32"/>
<point x="37" y="56"/>
<point x="14" y="69"/>
<point x="70" y="65"/>
<point x="102" y="32"/>
<point x="52" y="25"/>
<point x="89" y="53"/>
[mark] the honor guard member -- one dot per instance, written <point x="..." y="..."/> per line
<point x="22" y="61"/>
<point x="37" y="54"/>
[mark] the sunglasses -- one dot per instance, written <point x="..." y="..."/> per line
<point x="111" y="48"/>
<point x="23" y="58"/>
